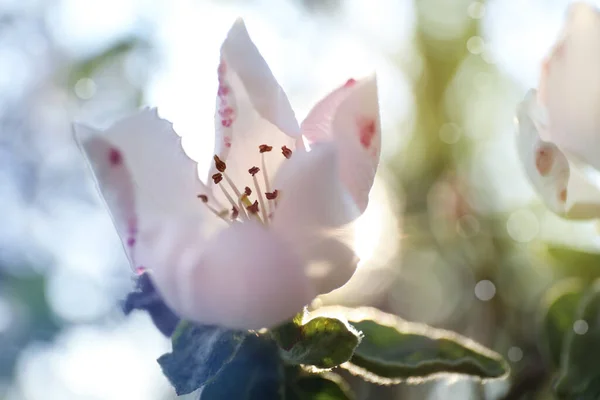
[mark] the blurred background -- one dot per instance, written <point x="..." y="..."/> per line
<point x="453" y="237"/>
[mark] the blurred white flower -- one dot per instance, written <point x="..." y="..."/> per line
<point x="559" y="126"/>
<point x="234" y="252"/>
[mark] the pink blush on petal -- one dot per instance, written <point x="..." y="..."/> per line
<point x="367" y="131"/>
<point x="350" y="82"/>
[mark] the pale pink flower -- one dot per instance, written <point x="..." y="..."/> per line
<point x="270" y="230"/>
<point x="559" y="126"/>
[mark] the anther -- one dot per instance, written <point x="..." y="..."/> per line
<point x="253" y="171"/>
<point x="203" y="197"/>
<point x="253" y="208"/>
<point x="234" y="213"/>
<point x="287" y="153"/>
<point x="218" y="177"/>
<point x="272" y="195"/>
<point x="263" y="148"/>
<point x="247" y="191"/>
<point x="219" y="164"/>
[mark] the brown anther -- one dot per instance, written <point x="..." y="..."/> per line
<point x="203" y="197"/>
<point x="234" y="213"/>
<point x="247" y="191"/>
<point x="263" y="148"/>
<point x="220" y="164"/>
<point x="287" y="153"/>
<point x="272" y="195"/>
<point x="218" y="177"/>
<point x="254" y="170"/>
<point x="253" y="209"/>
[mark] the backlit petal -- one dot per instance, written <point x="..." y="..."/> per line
<point x="561" y="183"/>
<point x="251" y="110"/>
<point x="245" y="277"/>
<point x="570" y="86"/>
<point x="314" y="214"/>
<point x="144" y="177"/>
<point x="349" y="117"/>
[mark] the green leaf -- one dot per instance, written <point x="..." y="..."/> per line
<point x="569" y="262"/>
<point x="321" y="342"/>
<point x="255" y="373"/>
<point x="580" y="371"/>
<point x="561" y="306"/>
<point x="199" y="354"/>
<point x="289" y="333"/>
<point x="318" y="387"/>
<point x="393" y="350"/>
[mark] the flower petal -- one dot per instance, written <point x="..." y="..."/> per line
<point x="252" y="109"/>
<point x="144" y="177"/>
<point x="570" y="86"/>
<point x="313" y="215"/>
<point x="563" y="186"/>
<point x="349" y="116"/>
<point x="244" y="278"/>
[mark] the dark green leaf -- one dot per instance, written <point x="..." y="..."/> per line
<point x="322" y="342"/>
<point x="317" y="387"/>
<point x="561" y="307"/>
<point x="393" y="350"/>
<point x="289" y="333"/>
<point x="199" y="354"/>
<point x="580" y="369"/>
<point x="255" y="373"/>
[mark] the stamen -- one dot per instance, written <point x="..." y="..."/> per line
<point x="253" y="171"/>
<point x="287" y="153"/>
<point x="237" y="193"/>
<point x="247" y="191"/>
<point x="266" y="175"/>
<point x="253" y="208"/>
<point x="263" y="148"/>
<point x="218" y="177"/>
<point x="272" y="195"/>
<point x="234" y="213"/>
<point x="247" y="203"/>
<point x="221" y="214"/>
<point x="219" y="164"/>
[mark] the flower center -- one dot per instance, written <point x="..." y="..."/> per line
<point x="242" y="206"/>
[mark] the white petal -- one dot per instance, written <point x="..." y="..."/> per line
<point x="252" y="110"/>
<point x="145" y="179"/>
<point x="563" y="186"/>
<point x="349" y="117"/>
<point x="244" y="278"/>
<point x="313" y="215"/>
<point x="570" y="86"/>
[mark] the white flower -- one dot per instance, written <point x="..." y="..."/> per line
<point x="270" y="231"/>
<point x="559" y="126"/>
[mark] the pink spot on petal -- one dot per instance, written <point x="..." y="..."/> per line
<point x="223" y="90"/>
<point x="115" y="157"/>
<point x="544" y="158"/>
<point x="140" y="270"/>
<point x="222" y="68"/>
<point x="226" y="112"/>
<point x="131" y="242"/>
<point x="227" y="141"/>
<point x="367" y="131"/>
<point x="350" y="82"/>
<point x="226" y="122"/>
